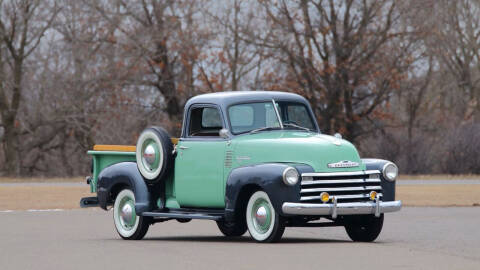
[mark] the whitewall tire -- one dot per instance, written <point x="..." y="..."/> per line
<point x="263" y="222"/>
<point x="154" y="154"/>
<point x="128" y="225"/>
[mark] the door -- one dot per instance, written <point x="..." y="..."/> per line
<point x="200" y="158"/>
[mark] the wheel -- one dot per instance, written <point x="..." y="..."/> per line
<point x="365" y="228"/>
<point x="232" y="229"/>
<point x="129" y="226"/>
<point x="263" y="223"/>
<point x="154" y="154"/>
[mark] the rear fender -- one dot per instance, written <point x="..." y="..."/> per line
<point x="119" y="176"/>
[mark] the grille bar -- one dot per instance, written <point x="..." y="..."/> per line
<point x="332" y="189"/>
<point x="344" y="186"/>
<point x="342" y="181"/>
<point x="342" y="173"/>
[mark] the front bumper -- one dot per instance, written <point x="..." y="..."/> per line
<point x="334" y="209"/>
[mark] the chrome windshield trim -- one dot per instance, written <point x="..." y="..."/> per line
<point x="342" y="181"/>
<point x="327" y="189"/>
<point x="342" y="173"/>
<point x="278" y="114"/>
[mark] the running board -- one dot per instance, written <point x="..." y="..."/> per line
<point x="182" y="215"/>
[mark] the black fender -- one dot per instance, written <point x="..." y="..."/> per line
<point x="388" y="187"/>
<point x="266" y="176"/>
<point x="122" y="175"/>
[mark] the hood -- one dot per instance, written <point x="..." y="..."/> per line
<point x="316" y="150"/>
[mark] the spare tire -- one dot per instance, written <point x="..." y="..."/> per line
<point x="154" y="154"/>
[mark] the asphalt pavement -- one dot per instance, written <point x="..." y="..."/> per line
<point x="414" y="238"/>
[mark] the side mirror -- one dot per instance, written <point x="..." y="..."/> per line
<point x="223" y="133"/>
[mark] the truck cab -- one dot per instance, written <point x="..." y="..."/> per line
<point x="249" y="160"/>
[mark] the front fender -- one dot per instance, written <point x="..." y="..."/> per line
<point x="388" y="188"/>
<point x="266" y="176"/>
<point x="119" y="175"/>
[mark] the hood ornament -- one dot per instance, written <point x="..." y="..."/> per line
<point x="343" y="164"/>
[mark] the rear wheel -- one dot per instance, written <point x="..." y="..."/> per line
<point x="365" y="228"/>
<point x="129" y="226"/>
<point x="263" y="222"/>
<point x="232" y="229"/>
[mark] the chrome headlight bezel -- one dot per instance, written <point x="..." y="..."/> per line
<point x="290" y="176"/>
<point x="390" y="171"/>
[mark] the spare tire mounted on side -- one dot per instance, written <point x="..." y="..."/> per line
<point x="154" y="154"/>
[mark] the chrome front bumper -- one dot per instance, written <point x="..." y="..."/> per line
<point x="334" y="209"/>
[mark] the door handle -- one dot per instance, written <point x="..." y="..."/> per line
<point x="183" y="147"/>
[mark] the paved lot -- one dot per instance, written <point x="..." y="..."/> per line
<point x="415" y="238"/>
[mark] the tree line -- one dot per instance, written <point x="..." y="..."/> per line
<point x="400" y="79"/>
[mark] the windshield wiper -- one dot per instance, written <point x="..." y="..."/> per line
<point x="263" y="129"/>
<point x="296" y="126"/>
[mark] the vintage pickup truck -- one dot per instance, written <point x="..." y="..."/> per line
<point x="248" y="160"/>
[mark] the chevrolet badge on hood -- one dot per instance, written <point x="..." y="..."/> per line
<point x="343" y="164"/>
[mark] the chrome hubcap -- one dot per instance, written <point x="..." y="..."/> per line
<point x="149" y="155"/>
<point x="126" y="214"/>
<point x="261" y="216"/>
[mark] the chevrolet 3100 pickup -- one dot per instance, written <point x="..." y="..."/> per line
<point x="250" y="160"/>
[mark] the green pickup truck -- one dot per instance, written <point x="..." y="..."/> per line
<point x="248" y="160"/>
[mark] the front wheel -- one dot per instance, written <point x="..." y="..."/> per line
<point x="129" y="226"/>
<point x="263" y="222"/>
<point x="364" y="228"/>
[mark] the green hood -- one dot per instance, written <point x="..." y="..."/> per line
<point x="316" y="150"/>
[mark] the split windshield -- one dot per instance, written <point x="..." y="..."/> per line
<point x="258" y="116"/>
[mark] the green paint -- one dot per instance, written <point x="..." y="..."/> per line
<point x="103" y="159"/>
<point x="198" y="175"/>
<point x="172" y="203"/>
<point x="287" y="146"/>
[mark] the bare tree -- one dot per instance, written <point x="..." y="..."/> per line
<point x="159" y="44"/>
<point x="231" y="62"/>
<point x="22" y="26"/>
<point x="345" y="56"/>
<point x="457" y="44"/>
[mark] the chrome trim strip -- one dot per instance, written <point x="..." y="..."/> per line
<point x="329" y="209"/>
<point x="340" y="197"/>
<point x="342" y="173"/>
<point x="328" y="189"/>
<point x="343" y="181"/>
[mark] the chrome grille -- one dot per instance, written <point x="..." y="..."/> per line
<point x="345" y="186"/>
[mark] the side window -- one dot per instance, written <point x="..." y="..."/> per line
<point x="205" y="121"/>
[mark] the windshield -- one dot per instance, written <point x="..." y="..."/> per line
<point x="255" y="116"/>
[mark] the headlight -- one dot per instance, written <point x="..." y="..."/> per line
<point x="390" y="171"/>
<point x="290" y="176"/>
